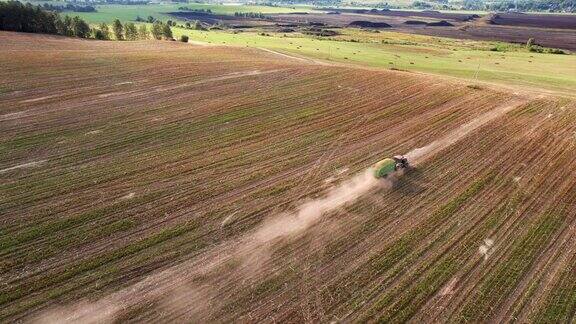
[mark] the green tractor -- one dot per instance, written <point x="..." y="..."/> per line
<point x="389" y="165"/>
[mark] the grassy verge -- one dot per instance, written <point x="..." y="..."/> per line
<point x="466" y="59"/>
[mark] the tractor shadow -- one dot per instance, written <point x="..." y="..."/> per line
<point x="410" y="182"/>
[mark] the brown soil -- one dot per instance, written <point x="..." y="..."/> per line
<point x="203" y="197"/>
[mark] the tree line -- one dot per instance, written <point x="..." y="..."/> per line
<point x="68" y="7"/>
<point x="129" y="31"/>
<point x="18" y="17"/>
<point x="207" y="11"/>
<point x="15" y="16"/>
<point x="258" y="15"/>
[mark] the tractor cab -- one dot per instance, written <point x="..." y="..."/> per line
<point x="401" y="161"/>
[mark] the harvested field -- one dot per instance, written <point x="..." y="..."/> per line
<point x="535" y="20"/>
<point x="341" y="20"/>
<point x="158" y="181"/>
<point x="554" y="38"/>
<point x="412" y="13"/>
<point x="557" y="31"/>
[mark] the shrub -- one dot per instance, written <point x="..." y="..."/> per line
<point x="118" y="29"/>
<point x="104" y="31"/>
<point x="166" y="31"/>
<point x="80" y="27"/>
<point x="197" y="25"/>
<point x="157" y="30"/>
<point x="131" y="31"/>
<point x="15" y="16"/>
<point x="536" y="49"/>
<point x="184" y="38"/>
<point x="98" y="34"/>
<point x="143" y="32"/>
<point x="555" y="51"/>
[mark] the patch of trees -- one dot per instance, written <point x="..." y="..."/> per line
<point x="129" y="31"/>
<point x="318" y="3"/>
<point x="125" y="2"/>
<point x="150" y="19"/>
<point x="18" y="17"/>
<point x="206" y="11"/>
<point x="256" y="15"/>
<point x="68" y="7"/>
<point x="381" y="5"/>
<point x="421" y="5"/>
<point x="195" y="25"/>
<point x="118" y="2"/>
<point x="161" y="30"/>
<point x="533" y="47"/>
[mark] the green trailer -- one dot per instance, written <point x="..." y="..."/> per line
<point x="389" y="165"/>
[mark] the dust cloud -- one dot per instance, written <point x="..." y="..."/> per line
<point x="310" y="212"/>
<point x="172" y="287"/>
<point x="251" y="251"/>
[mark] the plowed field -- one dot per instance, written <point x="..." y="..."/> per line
<point x="556" y="31"/>
<point x="161" y="182"/>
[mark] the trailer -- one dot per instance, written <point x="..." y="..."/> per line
<point x="388" y="166"/>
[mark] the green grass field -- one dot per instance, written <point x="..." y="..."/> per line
<point x="510" y="65"/>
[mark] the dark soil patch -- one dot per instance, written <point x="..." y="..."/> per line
<point x="415" y="22"/>
<point x="320" y="32"/>
<point x="369" y="24"/>
<point x="535" y="20"/>
<point x="442" y="23"/>
<point x="426" y="14"/>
